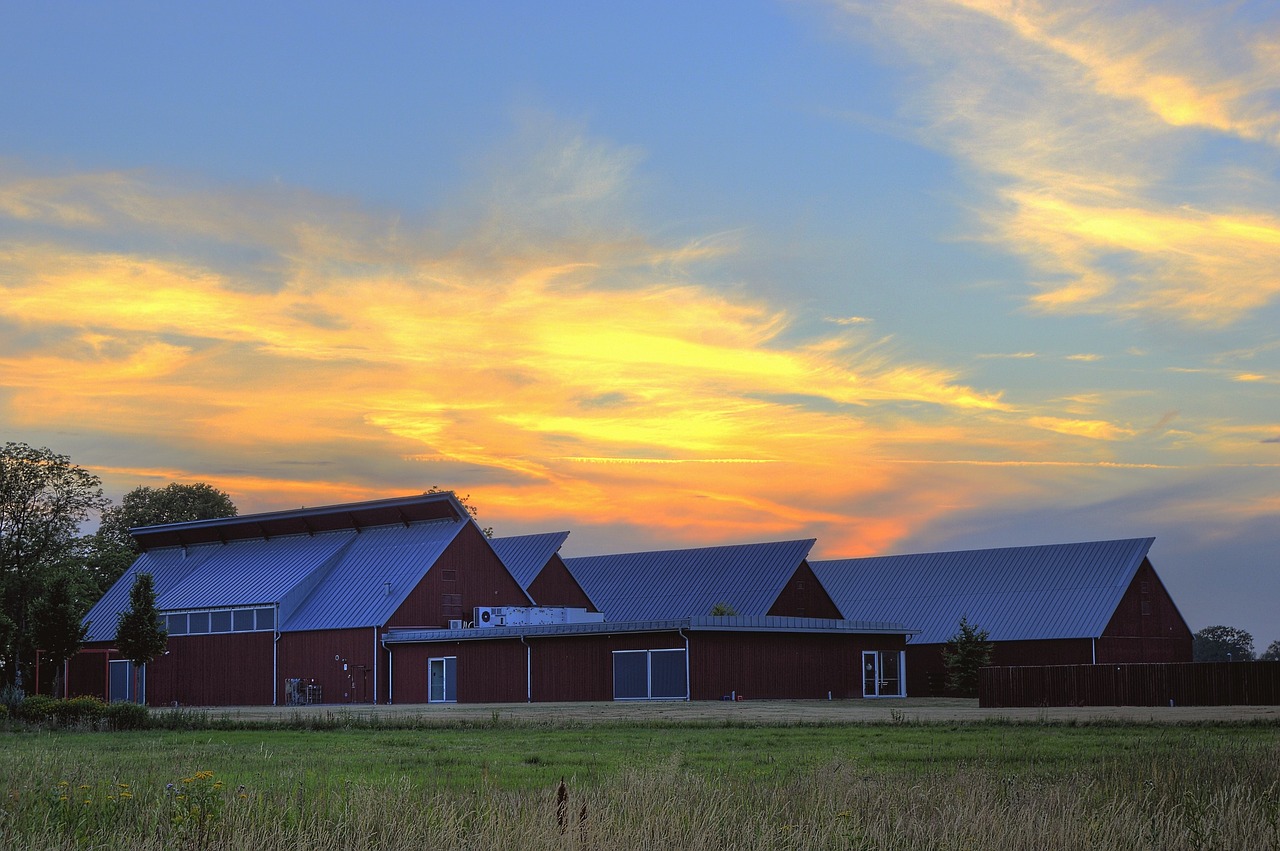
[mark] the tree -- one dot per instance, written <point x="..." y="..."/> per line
<point x="112" y="549"/>
<point x="59" y="631"/>
<point x="139" y="635"/>
<point x="466" y="503"/>
<point x="723" y="610"/>
<point x="964" y="654"/>
<point x="43" y="500"/>
<point x="1222" y="644"/>
<point x="1272" y="654"/>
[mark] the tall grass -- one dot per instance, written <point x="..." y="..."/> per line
<point x="1219" y="795"/>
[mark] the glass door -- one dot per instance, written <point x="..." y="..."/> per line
<point x="442" y="680"/>
<point x="882" y="674"/>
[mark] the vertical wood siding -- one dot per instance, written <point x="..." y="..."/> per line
<point x="232" y="669"/>
<point x="555" y="586"/>
<point x="310" y="656"/>
<point x="804" y="597"/>
<point x="478" y="579"/>
<point x="580" y="668"/>
<point x="1185" y="684"/>
<point x="1146" y="625"/>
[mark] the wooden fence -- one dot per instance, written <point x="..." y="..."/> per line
<point x="1153" y="684"/>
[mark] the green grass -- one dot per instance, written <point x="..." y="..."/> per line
<point x="523" y="757"/>
<point x="953" y="786"/>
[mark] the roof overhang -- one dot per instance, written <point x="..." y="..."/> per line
<point x="302" y="521"/>
<point x="698" y="624"/>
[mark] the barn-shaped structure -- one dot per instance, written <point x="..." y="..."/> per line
<point x="263" y="608"/>
<point x="535" y="563"/>
<point x="1061" y="604"/>
<point x="406" y="600"/>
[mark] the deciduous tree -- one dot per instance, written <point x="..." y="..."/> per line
<point x="112" y="549"/>
<point x="43" y="500"/>
<point x="1272" y="653"/>
<point x="1222" y="644"/>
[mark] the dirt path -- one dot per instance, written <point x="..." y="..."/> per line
<point x="763" y="711"/>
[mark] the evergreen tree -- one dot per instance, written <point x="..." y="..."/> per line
<point x="966" y="653"/>
<point x="138" y="634"/>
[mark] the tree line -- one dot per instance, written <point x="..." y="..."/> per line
<point x="50" y="573"/>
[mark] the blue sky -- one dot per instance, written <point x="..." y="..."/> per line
<point x="900" y="277"/>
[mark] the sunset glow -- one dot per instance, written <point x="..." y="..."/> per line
<point x="896" y="276"/>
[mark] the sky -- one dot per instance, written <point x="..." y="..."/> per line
<point x="900" y="277"/>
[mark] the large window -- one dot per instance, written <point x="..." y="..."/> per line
<point x="650" y="675"/>
<point x="219" y="620"/>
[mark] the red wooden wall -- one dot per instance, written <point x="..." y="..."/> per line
<point x="1146" y="626"/>
<point x="478" y="579"/>
<point x="578" y="668"/>
<point x="318" y="656"/>
<point x="555" y="586"/>
<point x="804" y="597"/>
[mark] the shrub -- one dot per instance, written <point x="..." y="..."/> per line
<point x="38" y="709"/>
<point x="126" y="716"/>
<point x="85" y="709"/>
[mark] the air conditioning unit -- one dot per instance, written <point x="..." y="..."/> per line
<point x="455" y="624"/>
<point x="488" y="616"/>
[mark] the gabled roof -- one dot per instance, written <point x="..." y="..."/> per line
<point x="1015" y="593"/>
<point x="688" y="583"/>
<point x="373" y="577"/>
<point x="354" y="575"/>
<point x="526" y="555"/>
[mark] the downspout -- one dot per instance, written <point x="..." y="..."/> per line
<point x="1093" y="646"/>
<point x="390" y="672"/>
<point x="375" y="666"/>
<point x="528" y="671"/>
<point x="275" y="662"/>
<point x="688" y="686"/>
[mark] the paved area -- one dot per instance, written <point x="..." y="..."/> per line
<point x="762" y="711"/>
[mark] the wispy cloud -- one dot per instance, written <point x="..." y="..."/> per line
<point x="1089" y="126"/>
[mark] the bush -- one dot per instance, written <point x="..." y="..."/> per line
<point x="38" y="709"/>
<point x="85" y="709"/>
<point x="126" y="716"/>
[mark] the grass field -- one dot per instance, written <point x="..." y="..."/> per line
<point x="484" y="784"/>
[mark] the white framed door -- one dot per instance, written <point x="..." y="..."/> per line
<point x="442" y="679"/>
<point x="884" y="674"/>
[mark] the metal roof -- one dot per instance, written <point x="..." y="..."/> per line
<point x="253" y="572"/>
<point x="303" y="521"/>
<point x="692" y="624"/>
<point x="372" y="578"/>
<point x="353" y="576"/>
<point x="526" y="555"/>
<point x="168" y="569"/>
<point x="1015" y="593"/>
<point x="688" y="583"/>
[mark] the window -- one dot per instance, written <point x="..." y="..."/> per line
<point x="448" y="575"/>
<point x="177" y="624"/>
<point x="442" y="680"/>
<point x="242" y="620"/>
<point x="198" y="622"/>
<point x="650" y="675"/>
<point x="220" y="621"/>
<point x="265" y="618"/>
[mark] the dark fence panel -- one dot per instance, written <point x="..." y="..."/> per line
<point x="1155" y="684"/>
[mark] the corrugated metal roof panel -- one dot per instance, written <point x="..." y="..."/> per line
<point x="354" y="592"/>
<point x="253" y="572"/>
<point x="1016" y="593"/>
<point x="526" y="555"/>
<point x="168" y="569"/>
<point x="687" y="583"/>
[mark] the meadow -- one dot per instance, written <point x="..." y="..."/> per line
<point x="497" y="783"/>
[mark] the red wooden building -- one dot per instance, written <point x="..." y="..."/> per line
<point x="1060" y="604"/>
<point x="377" y="602"/>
